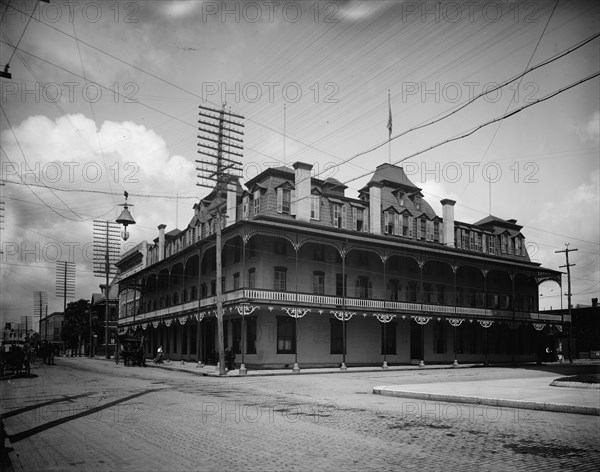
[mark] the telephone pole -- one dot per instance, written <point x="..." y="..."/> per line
<point x="106" y="253"/>
<point x="222" y="136"/>
<point x="568" y="266"/>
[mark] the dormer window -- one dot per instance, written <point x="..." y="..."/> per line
<point x="389" y="222"/>
<point x="256" y="201"/>
<point x="315" y="207"/>
<point x="284" y="201"/>
<point x="417" y="202"/>
<point x="401" y="198"/>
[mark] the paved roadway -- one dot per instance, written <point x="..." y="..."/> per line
<point x="91" y="415"/>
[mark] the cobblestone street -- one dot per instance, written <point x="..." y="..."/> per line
<point x="92" y="415"/>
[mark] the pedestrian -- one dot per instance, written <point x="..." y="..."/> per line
<point x="159" y="355"/>
<point x="229" y="358"/>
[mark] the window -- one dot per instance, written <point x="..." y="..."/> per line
<point x="358" y="219"/>
<point x="236" y="330"/>
<point x="401" y="198"/>
<point x="236" y="280"/>
<point x="363" y="286"/>
<point x="194" y="293"/>
<point x="286" y="335"/>
<point x="256" y="202"/>
<point x="491" y="244"/>
<point x="417" y="202"/>
<point x="319" y="282"/>
<point x="478" y="242"/>
<point x="280" y="247"/>
<point x="251" y="249"/>
<point x="284" y="201"/>
<point x="465" y="240"/>
<point x="203" y="290"/>
<point x="336" y="339"/>
<point x="388" y="218"/>
<point x="245" y="207"/>
<point x="338" y="215"/>
<point x="280" y="279"/>
<point x="503" y="243"/>
<point x="213" y="287"/>
<point x="439" y="336"/>
<point x="388" y="340"/>
<point x="423" y="228"/>
<point x="405" y="225"/>
<point x="393" y="289"/>
<point x="436" y="231"/>
<point x="251" y="335"/>
<point x="318" y="252"/>
<point x="315" y="207"/>
<point x="251" y="278"/>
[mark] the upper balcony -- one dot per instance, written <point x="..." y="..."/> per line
<point x="323" y="303"/>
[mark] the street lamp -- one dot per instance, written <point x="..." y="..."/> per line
<point x="106" y="253"/>
<point x="125" y="218"/>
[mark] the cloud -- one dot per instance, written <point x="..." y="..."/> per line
<point x="44" y="223"/>
<point x="590" y="132"/>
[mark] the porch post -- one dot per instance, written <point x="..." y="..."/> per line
<point x="296" y="368"/>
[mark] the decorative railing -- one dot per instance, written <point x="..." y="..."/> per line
<point x="329" y="302"/>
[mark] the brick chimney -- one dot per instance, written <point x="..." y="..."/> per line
<point x="448" y="217"/>
<point x="302" y="182"/>
<point x="375" y="207"/>
<point x="161" y="241"/>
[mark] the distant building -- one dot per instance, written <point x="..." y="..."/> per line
<point x="16" y="333"/>
<point x="312" y="270"/>
<point x="51" y="327"/>
<point x="586" y="330"/>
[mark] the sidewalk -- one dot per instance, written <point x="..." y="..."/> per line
<point x="533" y="393"/>
<point x="527" y="393"/>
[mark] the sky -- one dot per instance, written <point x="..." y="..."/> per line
<point x="104" y="99"/>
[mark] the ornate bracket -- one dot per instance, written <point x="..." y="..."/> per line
<point x="245" y="309"/>
<point x="144" y="326"/>
<point x="155" y="323"/>
<point x="199" y="316"/>
<point x="343" y="315"/>
<point x="539" y="326"/>
<point x="384" y="317"/>
<point x="422" y="320"/>
<point x="456" y="322"/>
<point x="296" y="312"/>
<point x="485" y="323"/>
<point x="559" y="328"/>
<point x="513" y="324"/>
<point x="182" y="320"/>
<point x="168" y="323"/>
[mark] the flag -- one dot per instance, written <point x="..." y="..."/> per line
<point x="389" y="123"/>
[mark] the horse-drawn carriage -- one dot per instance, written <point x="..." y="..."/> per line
<point x="132" y="350"/>
<point x="15" y="358"/>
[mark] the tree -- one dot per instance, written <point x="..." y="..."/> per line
<point x="76" y="325"/>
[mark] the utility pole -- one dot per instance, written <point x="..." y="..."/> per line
<point x="568" y="266"/>
<point x="218" y="174"/>
<point x="39" y="300"/>
<point x="106" y="253"/>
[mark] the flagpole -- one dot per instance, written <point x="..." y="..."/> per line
<point x="389" y="126"/>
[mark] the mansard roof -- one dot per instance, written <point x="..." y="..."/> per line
<point x="393" y="176"/>
<point x="498" y="224"/>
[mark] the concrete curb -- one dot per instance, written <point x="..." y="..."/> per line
<point x="349" y="370"/>
<point x="526" y="405"/>
<point x="558" y="383"/>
